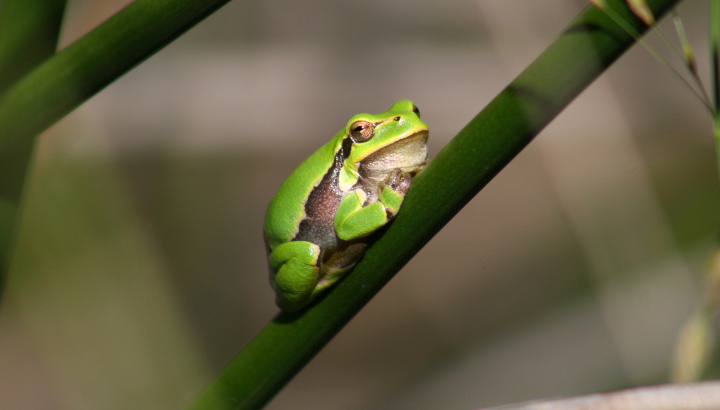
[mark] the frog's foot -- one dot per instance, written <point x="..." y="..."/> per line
<point x="398" y="181"/>
<point x="393" y="189"/>
<point x="340" y="263"/>
<point x="357" y="216"/>
<point x="294" y="273"/>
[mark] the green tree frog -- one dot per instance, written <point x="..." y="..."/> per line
<point x="317" y="224"/>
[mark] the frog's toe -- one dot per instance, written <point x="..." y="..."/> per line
<point x="398" y="181"/>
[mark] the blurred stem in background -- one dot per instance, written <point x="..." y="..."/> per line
<point x="70" y="77"/>
<point x="715" y="69"/>
<point x="697" y="354"/>
<point x="29" y="31"/>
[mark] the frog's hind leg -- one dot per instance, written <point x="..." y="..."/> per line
<point x="294" y="273"/>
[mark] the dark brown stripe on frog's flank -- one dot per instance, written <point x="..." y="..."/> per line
<point x="321" y="205"/>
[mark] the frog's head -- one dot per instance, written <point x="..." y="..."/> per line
<point x="374" y="145"/>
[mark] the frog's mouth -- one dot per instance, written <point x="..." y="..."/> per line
<point x="409" y="155"/>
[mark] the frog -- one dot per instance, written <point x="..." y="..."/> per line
<point x="317" y="225"/>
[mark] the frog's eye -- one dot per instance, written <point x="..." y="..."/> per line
<point x="396" y="119"/>
<point x="416" y="110"/>
<point x="361" y="131"/>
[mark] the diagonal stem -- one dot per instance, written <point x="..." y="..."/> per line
<point x="73" y="75"/>
<point x="492" y="139"/>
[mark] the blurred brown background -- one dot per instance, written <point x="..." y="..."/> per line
<point x="140" y="269"/>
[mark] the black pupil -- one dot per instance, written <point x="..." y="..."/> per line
<point x="416" y="110"/>
<point x="359" y="128"/>
<point x="397" y="118"/>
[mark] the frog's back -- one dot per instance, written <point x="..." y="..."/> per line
<point x="287" y="208"/>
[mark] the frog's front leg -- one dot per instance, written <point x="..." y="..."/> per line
<point x="294" y="273"/>
<point x="353" y="220"/>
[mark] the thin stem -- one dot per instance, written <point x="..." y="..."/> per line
<point x="687" y="54"/>
<point x="619" y="20"/>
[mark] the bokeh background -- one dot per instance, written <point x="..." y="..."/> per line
<point x="140" y="269"/>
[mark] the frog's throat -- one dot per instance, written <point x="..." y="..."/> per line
<point x="408" y="154"/>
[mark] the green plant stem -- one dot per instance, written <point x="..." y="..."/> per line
<point x="588" y="46"/>
<point x="29" y="31"/>
<point x="697" y="352"/>
<point x="688" y="56"/>
<point x="715" y="71"/>
<point x="622" y="22"/>
<point x="72" y="76"/>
